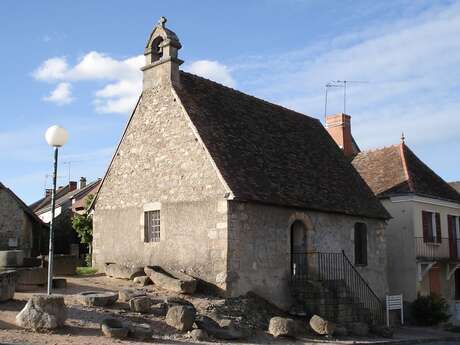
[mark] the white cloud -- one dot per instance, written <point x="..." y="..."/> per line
<point x="213" y="70"/>
<point x="52" y="69"/>
<point x="60" y="95"/>
<point x="412" y="69"/>
<point x="118" y="96"/>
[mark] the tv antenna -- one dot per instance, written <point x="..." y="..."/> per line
<point x="343" y="84"/>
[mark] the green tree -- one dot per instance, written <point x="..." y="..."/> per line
<point x="83" y="225"/>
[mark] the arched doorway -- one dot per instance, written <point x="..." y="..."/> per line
<point x="299" y="247"/>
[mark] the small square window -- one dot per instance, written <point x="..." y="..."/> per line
<point x="152" y="226"/>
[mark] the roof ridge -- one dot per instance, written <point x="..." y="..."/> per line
<point x="378" y="149"/>
<point x="406" y="170"/>
<point x="251" y="96"/>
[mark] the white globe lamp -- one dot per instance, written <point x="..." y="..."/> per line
<point x="56" y="136"/>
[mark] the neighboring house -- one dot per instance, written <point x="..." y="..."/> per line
<point x="20" y="228"/>
<point x="231" y="188"/>
<point x="455" y="185"/>
<point x="70" y="199"/>
<point x="423" y="236"/>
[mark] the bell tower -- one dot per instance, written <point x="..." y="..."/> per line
<point x="161" y="61"/>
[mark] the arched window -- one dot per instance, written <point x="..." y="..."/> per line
<point x="360" y="244"/>
<point x="157" y="51"/>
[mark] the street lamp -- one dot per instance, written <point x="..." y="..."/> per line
<point x="56" y="137"/>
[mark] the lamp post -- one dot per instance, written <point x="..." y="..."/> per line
<point x="56" y="137"/>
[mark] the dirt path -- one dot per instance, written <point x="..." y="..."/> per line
<point x="82" y="325"/>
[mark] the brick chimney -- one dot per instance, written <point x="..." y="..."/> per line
<point x="72" y="185"/>
<point x="339" y="128"/>
<point x="82" y="182"/>
<point x="161" y="57"/>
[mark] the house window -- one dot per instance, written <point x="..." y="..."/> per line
<point x="152" y="226"/>
<point x="360" y="244"/>
<point x="457" y="284"/>
<point x="431" y="222"/>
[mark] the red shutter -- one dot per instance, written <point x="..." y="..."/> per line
<point x="438" y="227"/>
<point x="426" y="219"/>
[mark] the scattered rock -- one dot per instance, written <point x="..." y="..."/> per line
<point x="124" y="295"/>
<point x="43" y="312"/>
<point x="173" y="301"/>
<point x="141" y="331"/>
<point x="280" y="326"/>
<point x="198" y="335"/>
<point x="322" y="326"/>
<point x="341" y="331"/>
<point x="7" y="285"/>
<point x="359" y="329"/>
<point x="215" y="330"/>
<point x="180" y="317"/>
<point x="97" y="298"/>
<point x="172" y="281"/>
<point x="114" y="328"/>
<point x="159" y="309"/>
<point x="59" y="283"/>
<point x="142" y="281"/>
<point x="123" y="272"/>
<point x="140" y="304"/>
<point x="383" y="331"/>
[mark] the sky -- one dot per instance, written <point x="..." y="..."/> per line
<point x="76" y="64"/>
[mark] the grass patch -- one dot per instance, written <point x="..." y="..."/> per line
<point x="84" y="271"/>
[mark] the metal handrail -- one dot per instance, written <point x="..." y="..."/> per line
<point x="335" y="267"/>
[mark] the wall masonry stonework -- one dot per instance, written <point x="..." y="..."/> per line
<point x="14" y="224"/>
<point x="259" y="247"/>
<point x="161" y="163"/>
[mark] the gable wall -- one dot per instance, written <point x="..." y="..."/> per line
<point x="14" y="223"/>
<point x="160" y="162"/>
<point x="259" y="256"/>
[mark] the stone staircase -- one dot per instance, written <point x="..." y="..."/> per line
<point x="334" y="290"/>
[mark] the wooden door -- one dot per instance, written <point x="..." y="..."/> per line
<point x="435" y="281"/>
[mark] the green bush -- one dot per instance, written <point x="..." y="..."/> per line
<point x="430" y="310"/>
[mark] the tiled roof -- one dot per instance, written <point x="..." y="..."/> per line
<point x="63" y="195"/>
<point x="397" y="170"/>
<point x="270" y="154"/>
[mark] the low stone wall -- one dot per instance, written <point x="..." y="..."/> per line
<point x="63" y="265"/>
<point x="11" y="258"/>
<point x="7" y="285"/>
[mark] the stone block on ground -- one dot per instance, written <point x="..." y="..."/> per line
<point x="141" y="331"/>
<point x="114" y="328"/>
<point x="173" y="301"/>
<point x="140" y="304"/>
<point x="171" y="280"/>
<point x="11" y="258"/>
<point x="63" y="264"/>
<point x="7" y="285"/>
<point x="59" y="283"/>
<point x="322" y="326"/>
<point x="215" y="330"/>
<point x="180" y="317"/>
<point x="43" y="312"/>
<point x="123" y="271"/>
<point x="359" y="329"/>
<point x="97" y="298"/>
<point x="198" y="335"/>
<point x="280" y="326"/>
<point x="124" y="295"/>
<point x="142" y="281"/>
<point x="31" y="276"/>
